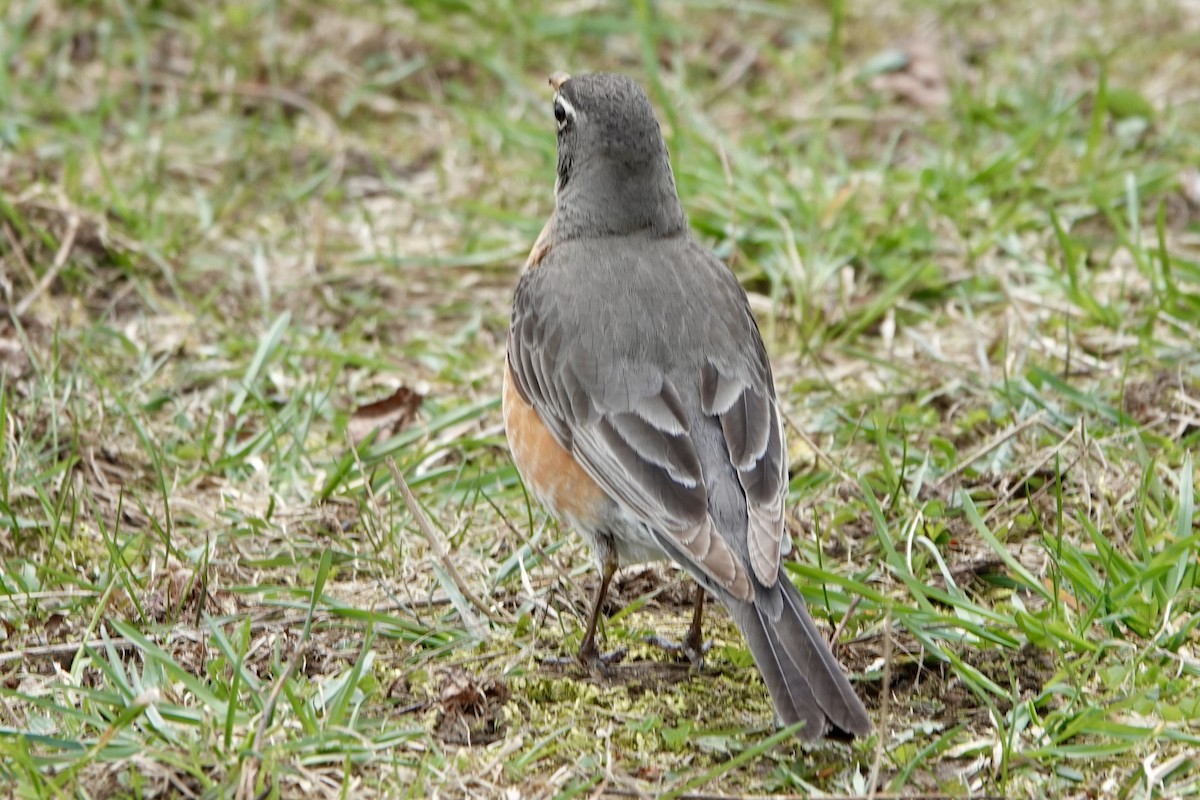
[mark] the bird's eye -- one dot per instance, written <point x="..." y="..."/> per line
<point x="563" y="112"/>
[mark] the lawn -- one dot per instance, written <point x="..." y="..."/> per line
<point x="260" y="535"/>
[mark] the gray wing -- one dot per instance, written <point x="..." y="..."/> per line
<point x="632" y="371"/>
<point x="751" y="423"/>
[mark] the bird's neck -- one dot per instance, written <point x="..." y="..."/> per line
<point x="617" y="199"/>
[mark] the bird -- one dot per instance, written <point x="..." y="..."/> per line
<point x="639" y="403"/>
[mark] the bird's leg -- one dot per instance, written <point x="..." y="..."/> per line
<point x="693" y="642"/>
<point x="693" y="645"/>
<point x="589" y="655"/>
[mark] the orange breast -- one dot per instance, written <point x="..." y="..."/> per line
<point x="550" y="473"/>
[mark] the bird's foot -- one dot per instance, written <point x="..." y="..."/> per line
<point x="591" y="659"/>
<point x="692" y="648"/>
<point x="596" y="662"/>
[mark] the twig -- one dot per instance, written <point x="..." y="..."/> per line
<point x="1054" y="451"/>
<point x="988" y="447"/>
<point x="63" y="594"/>
<point x="251" y="765"/>
<point x="820" y="453"/>
<point x="60" y="260"/>
<point x="564" y="575"/>
<point x="185" y="632"/>
<point x="372" y="503"/>
<point x="881" y="723"/>
<point x="64" y="649"/>
<point x="837" y="632"/>
<point x="22" y="259"/>
<point x="442" y="552"/>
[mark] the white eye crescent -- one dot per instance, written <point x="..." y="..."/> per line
<point x="564" y="112"/>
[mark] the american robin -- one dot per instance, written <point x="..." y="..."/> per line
<point x="639" y="402"/>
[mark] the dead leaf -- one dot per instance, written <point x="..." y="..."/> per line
<point x="55" y="626"/>
<point x="912" y="73"/>
<point x="388" y="416"/>
<point x="175" y="590"/>
<point x="14" y="361"/>
<point x="472" y="709"/>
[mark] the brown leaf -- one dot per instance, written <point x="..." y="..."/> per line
<point x="388" y="416"/>
<point x="918" y="77"/>
<point x="472" y="709"/>
<point x="55" y="626"/>
<point x="14" y="361"/>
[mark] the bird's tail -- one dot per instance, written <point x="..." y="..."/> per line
<point x="805" y="680"/>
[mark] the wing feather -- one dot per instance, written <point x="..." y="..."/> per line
<point x="623" y="418"/>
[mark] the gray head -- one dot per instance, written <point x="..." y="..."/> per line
<point x="614" y="176"/>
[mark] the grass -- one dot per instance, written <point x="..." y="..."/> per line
<point x="971" y="232"/>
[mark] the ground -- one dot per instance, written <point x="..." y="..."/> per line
<point x="255" y="254"/>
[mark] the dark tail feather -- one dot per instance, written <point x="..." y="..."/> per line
<point x="804" y="679"/>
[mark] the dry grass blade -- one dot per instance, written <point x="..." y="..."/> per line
<point x="56" y="651"/>
<point x="442" y="553"/>
<point x="60" y="260"/>
<point x="1000" y="438"/>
